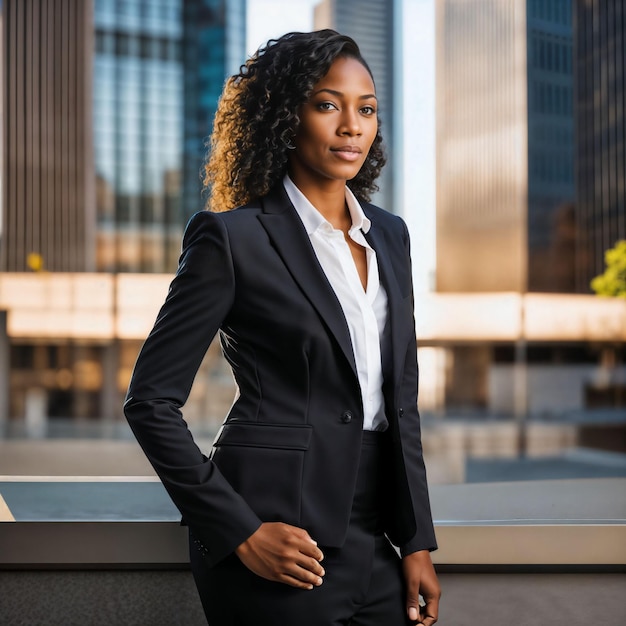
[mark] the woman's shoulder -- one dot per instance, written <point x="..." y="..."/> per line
<point x="212" y="219"/>
<point x="227" y="227"/>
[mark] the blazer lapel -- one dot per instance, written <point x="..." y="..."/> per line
<point x="292" y="243"/>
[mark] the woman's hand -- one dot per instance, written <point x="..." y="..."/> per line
<point x="284" y="554"/>
<point x="420" y="577"/>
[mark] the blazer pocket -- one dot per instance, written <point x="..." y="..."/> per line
<point x="264" y="463"/>
<point x="260" y="435"/>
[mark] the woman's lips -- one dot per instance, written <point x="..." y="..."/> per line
<point x="347" y="153"/>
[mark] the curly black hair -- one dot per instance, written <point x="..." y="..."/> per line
<point x="257" y="118"/>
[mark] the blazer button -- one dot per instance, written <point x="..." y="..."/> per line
<point x="346" y="417"/>
<point x="401" y="412"/>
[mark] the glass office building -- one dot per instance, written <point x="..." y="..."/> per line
<point x="214" y="34"/>
<point x="600" y="54"/>
<point x="138" y="108"/>
<point x="551" y="190"/>
<point x="158" y="70"/>
<point x="505" y="145"/>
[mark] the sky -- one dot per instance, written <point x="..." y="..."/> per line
<point x="269" y="19"/>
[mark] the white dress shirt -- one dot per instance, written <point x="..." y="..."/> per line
<point x="365" y="310"/>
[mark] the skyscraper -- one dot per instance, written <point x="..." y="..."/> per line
<point x="600" y="70"/>
<point x="214" y="35"/>
<point x="551" y="190"/>
<point x="374" y="25"/>
<point x="159" y="69"/>
<point x="47" y="200"/>
<point x="138" y="97"/>
<point x="505" y="187"/>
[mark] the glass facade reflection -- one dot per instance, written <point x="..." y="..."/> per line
<point x="600" y="52"/>
<point x="156" y="83"/>
<point x="138" y="119"/>
<point x="552" y="70"/>
<point x="551" y="232"/>
<point x="482" y="146"/>
<point x="506" y="146"/>
<point x="214" y="32"/>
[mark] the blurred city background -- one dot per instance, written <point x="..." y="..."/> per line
<point x="505" y="129"/>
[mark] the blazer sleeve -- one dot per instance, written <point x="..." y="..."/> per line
<point x="199" y="299"/>
<point x="424" y="538"/>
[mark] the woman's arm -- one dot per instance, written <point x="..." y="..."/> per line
<point x="199" y="299"/>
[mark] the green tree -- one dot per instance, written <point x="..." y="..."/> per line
<point x="613" y="281"/>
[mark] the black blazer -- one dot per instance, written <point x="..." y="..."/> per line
<point x="289" y="447"/>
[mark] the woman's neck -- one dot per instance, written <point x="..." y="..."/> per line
<point x="329" y="200"/>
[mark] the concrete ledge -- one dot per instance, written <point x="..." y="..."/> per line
<point x="595" y="546"/>
<point x="89" y="523"/>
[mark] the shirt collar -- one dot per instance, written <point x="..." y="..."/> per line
<point x="313" y="219"/>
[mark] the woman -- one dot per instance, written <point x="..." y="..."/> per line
<point x="319" y="459"/>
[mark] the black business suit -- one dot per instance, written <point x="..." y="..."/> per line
<point x="289" y="449"/>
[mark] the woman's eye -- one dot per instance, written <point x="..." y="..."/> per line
<point x="368" y="110"/>
<point x="326" y="106"/>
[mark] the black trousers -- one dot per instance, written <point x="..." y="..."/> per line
<point x="363" y="585"/>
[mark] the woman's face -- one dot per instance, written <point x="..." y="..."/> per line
<point x="337" y="127"/>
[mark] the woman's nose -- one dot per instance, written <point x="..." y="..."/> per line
<point x="350" y="123"/>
